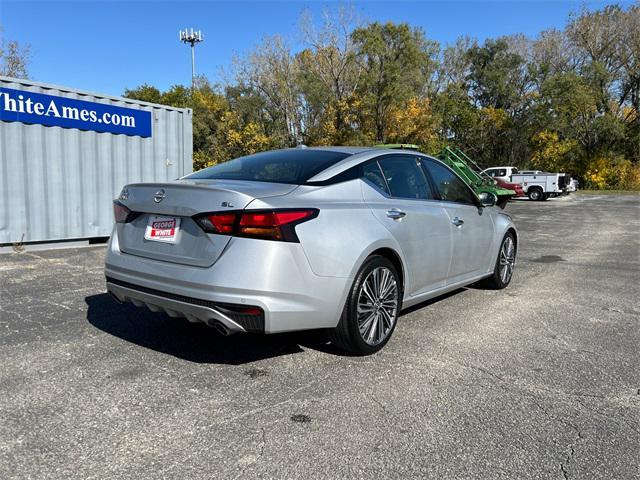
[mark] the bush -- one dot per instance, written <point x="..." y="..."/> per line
<point x="612" y="172"/>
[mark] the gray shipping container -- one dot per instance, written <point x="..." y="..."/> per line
<point x="59" y="183"/>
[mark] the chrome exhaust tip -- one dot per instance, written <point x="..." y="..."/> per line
<point x="220" y="328"/>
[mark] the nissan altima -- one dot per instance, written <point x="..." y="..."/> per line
<point x="340" y="238"/>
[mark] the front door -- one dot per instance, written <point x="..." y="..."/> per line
<point x="472" y="228"/>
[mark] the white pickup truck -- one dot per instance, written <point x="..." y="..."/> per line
<point x="536" y="184"/>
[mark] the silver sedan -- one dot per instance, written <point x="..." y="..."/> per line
<point x="340" y="238"/>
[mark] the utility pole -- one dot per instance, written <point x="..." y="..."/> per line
<point x="192" y="38"/>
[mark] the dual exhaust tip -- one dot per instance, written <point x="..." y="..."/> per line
<point x="219" y="327"/>
<point x="215" y="324"/>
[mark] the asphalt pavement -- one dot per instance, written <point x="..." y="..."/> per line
<point x="541" y="380"/>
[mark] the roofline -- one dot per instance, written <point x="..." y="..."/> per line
<point x="49" y="86"/>
<point x="357" y="158"/>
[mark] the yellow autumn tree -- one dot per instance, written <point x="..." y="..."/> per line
<point x="550" y="153"/>
<point x="412" y="122"/>
<point x="235" y="138"/>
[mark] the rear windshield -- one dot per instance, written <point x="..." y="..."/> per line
<point x="294" y="166"/>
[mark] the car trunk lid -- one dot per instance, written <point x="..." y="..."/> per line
<point x="173" y="204"/>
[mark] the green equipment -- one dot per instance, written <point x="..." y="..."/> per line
<point x="471" y="173"/>
<point x="466" y="169"/>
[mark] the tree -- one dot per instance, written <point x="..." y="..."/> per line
<point x="454" y="66"/>
<point x="271" y="71"/>
<point x="398" y="63"/>
<point x="551" y="154"/>
<point x="14" y="58"/>
<point x="596" y="37"/>
<point x="500" y="87"/>
<point x="497" y="76"/>
<point x="329" y="72"/>
<point x="144" y="93"/>
<point x="551" y="55"/>
<point x="413" y="122"/>
<point x="629" y="93"/>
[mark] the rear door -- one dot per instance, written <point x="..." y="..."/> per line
<point x="471" y="227"/>
<point x="401" y="199"/>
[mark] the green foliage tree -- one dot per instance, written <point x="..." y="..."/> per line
<point x="398" y="63"/>
<point x="145" y="93"/>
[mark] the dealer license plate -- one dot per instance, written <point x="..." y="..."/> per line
<point x="162" y="229"/>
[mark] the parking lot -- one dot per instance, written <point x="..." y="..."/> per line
<point x="541" y="380"/>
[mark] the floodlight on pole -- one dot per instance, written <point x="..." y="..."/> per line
<point x="192" y="38"/>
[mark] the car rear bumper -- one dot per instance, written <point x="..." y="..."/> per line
<point x="273" y="276"/>
<point x="186" y="307"/>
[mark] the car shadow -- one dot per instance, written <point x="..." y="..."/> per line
<point x="195" y="342"/>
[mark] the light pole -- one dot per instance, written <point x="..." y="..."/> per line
<point x="192" y="38"/>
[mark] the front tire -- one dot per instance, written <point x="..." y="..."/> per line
<point x="505" y="264"/>
<point x="371" y="312"/>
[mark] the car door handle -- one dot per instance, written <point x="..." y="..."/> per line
<point x="457" y="221"/>
<point x="395" y="214"/>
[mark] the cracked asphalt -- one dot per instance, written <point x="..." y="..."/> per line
<point x="541" y="380"/>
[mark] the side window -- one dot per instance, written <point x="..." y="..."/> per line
<point x="405" y="178"/>
<point x="448" y="184"/>
<point x="491" y="173"/>
<point x="371" y="171"/>
<point x="502" y="173"/>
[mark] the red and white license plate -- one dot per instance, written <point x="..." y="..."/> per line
<point x="162" y="229"/>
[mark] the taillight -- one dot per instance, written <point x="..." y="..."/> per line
<point x="218" y="222"/>
<point x="121" y="213"/>
<point x="268" y="225"/>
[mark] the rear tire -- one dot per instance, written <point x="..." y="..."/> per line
<point x="535" y="194"/>
<point x="371" y="312"/>
<point x="505" y="264"/>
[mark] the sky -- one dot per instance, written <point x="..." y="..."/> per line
<point x="106" y="47"/>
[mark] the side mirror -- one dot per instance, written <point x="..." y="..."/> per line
<point x="487" y="199"/>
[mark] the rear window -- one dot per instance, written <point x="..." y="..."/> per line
<point x="293" y="166"/>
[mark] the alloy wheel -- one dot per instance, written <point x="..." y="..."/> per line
<point x="507" y="259"/>
<point x="378" y="300"/>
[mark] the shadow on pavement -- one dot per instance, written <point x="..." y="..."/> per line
<point x="194" y="342"/>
